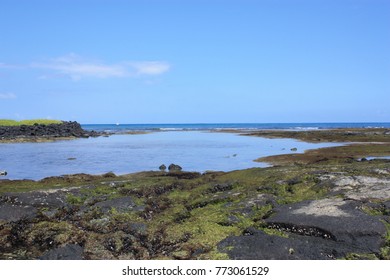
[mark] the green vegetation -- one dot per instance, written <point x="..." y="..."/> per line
<point x="5" y="122"/>
<point x="75" y="200"/>
<point x="183" y="215"/>
<point x="331" y="155"/>
<point x="176" y="216"/>
<point x="385" y="252"/>
<point x="52" y="183"/>
<point x="331" y="135"/>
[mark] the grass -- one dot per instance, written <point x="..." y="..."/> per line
<point x="5" y="122"/>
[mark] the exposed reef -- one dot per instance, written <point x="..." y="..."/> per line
<point x="288" y="212"/>
<point x="338" y="208"/>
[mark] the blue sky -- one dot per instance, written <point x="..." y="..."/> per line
<point x="192" y="61"/>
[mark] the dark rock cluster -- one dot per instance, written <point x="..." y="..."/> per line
<point x="282" y="213"/>
<point x="174" y="167"/>
<point x="64" y="129"/>
<point x="319" y="229"/>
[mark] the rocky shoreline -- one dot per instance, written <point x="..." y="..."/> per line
<point x="41" y="132"/>
<point x="327" y="205"/>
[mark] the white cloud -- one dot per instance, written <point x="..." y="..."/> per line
<point x="150" y="67"/>
<point x="11" y="66"/>
<point x="77" y="68"/>
<point x="7" y="95"/>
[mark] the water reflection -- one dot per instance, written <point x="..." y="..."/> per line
<point x="194" y="151"/>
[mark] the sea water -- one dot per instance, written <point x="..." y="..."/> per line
<point x="120" y="128"/>
<point x="193" y="150"/>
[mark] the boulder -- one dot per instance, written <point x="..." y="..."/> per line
<point x="121" y="204"/>
<point x="13" y="213"/>
<point x="67" y="252"/>
<point x="162" y="167"/>
<point x="174" y="167"/>
<point x="329" y="228"/>
<point x="64" y="129"/>
<point x="331" y="218"/>
<point x="257" y="245"/>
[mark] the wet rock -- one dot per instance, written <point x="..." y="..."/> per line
<point x="109" y="175"/>
<point x="13" y="213"/>
<point x="100" y="225"/>
<point x="64" y="129"/>
<point x="50" y="214"/>
<point x="162" y="167"/>
<point x="334" y="219"/>
<point x="121" y="204"/>
<point x="233" y="220"/>
<point x="361" y="187"/>
<point x="138" y="229"/>
<point x="259" y="200"/>
<point x="91" y="200"/>
<point x="221" y="188"/>
<point x="49" y="199"/>
<point x="293" y="181"/>
<point x="324" y="229"/>
<point x="184" y="175"/>
<point x="67" y="252"/>
<point x="174" y="168"/>
<point x="257" y="245"/>
<point x="107" y="246"/>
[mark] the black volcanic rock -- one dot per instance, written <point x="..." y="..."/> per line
<point x="64" y="129"/>
<point x="67" y="252"/>
<point x="329" y="228"/>
<point x="174" y="167"/>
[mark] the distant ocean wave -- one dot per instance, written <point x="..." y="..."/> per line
<point x="123" y="128"/>
<point x="306" y="128"/>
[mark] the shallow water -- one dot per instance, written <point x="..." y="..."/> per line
<point x="383" y="157"/>
<point x="193" y="150"/>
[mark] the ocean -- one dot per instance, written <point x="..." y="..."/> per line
<point x="192" y="146"/>
<point x="220" y="126"/>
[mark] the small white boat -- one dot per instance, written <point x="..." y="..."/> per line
<point x="3" y="173"/>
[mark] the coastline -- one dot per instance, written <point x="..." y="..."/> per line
<point x="323" y="204"/>
<point x="357" y="143"/>
<point x="64" y="130"/>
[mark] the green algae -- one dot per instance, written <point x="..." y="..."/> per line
<point x="176" y="217"/>
<point x="74" y="199"/>
<point x="385" y="250"/>
<point x="52" y="234"/>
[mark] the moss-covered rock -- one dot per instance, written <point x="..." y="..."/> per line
<point x="216" y="215"/>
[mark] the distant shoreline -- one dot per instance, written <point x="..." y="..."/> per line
<point x="41" y="132"/>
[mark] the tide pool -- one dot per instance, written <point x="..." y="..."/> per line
<point x="121" y="154"/>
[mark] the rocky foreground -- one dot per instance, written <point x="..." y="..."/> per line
<point x="334" y="208"/>
<point x="42" y="132"/>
